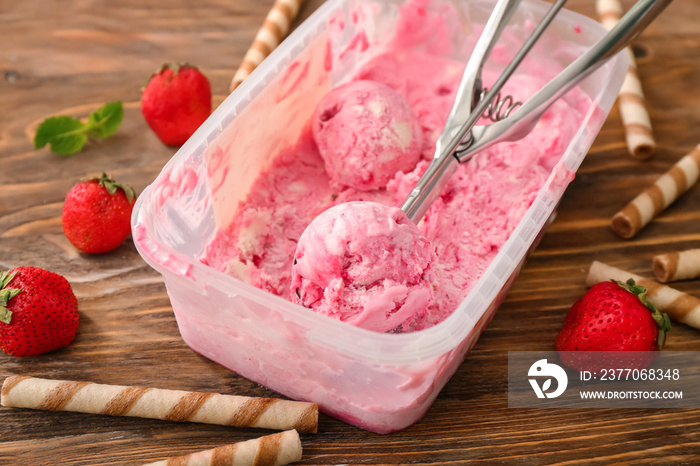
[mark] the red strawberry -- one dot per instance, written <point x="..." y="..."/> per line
<point x="175" y="102"/>
<point x="97" y="214"/>
<point x="38" y="311"/>
<point x="612" y="316"/>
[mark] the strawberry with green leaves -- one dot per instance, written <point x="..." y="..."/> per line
<point x="97" y="214"/>
<point x="38" y="312"/>
<point x="175" y="102"/>
<point x="612" y="317"/>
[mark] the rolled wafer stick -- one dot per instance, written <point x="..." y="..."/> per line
<point x="635" y="118"/>
<point x="653" y="200"/>
<point x="155" y="403"/>
<point x="276" y="25"/>
<point x="680" y="265"/>
<point x="270" y="450"/>
<point x="679" y="306"/>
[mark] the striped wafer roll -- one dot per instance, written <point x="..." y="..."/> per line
<point x="155" y="403"/>
<point x="680" y="265"/>
<point x="270" y="450"/>
<point x="679" y="306"/>
<point x="652" y="201"/>
<point x="635" y="118"/>
<point x="276" y="25"/>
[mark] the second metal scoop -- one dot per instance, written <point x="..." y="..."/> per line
<point x="461" y="139"/>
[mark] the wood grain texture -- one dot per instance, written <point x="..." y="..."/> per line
<point x="72" y="56"/>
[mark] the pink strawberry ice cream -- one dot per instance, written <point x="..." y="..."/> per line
<point x="366" y="132"/>
<point x="366" y="264"/>
<point x="470" y="221"/>
<point x="473" y="217"/>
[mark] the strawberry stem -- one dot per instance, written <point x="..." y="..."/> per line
<point x="663" y="322"/>
<point x="175" y="67"/>
<point x="6" y="294"/>
<point x="6" y="278"/>
<point x="111" y="186"/>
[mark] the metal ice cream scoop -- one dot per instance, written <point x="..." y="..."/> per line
<point x="461" y="138"/>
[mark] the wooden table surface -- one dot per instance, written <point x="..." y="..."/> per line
<point x="72" y="56"/>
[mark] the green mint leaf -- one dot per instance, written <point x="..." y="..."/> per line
<point x="65" y="134"/>
<point x="105" y="121"/>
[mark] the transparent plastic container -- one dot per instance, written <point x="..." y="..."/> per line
<point x="379" y="382"/>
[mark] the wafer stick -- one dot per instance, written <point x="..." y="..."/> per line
<point x="679" y="306"/>
<point x="269" y="36"/>
<point x="270" y="450"/>
<point x="680" y="265"/>
<point x="635" y="118"/>
<point x="155" y="403"/>
<point x="653" y="200"/>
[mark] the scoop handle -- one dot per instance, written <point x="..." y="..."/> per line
<point x="467" y="109"/>
<point x="521" y="122"/>
<point x="460" y="119"/>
